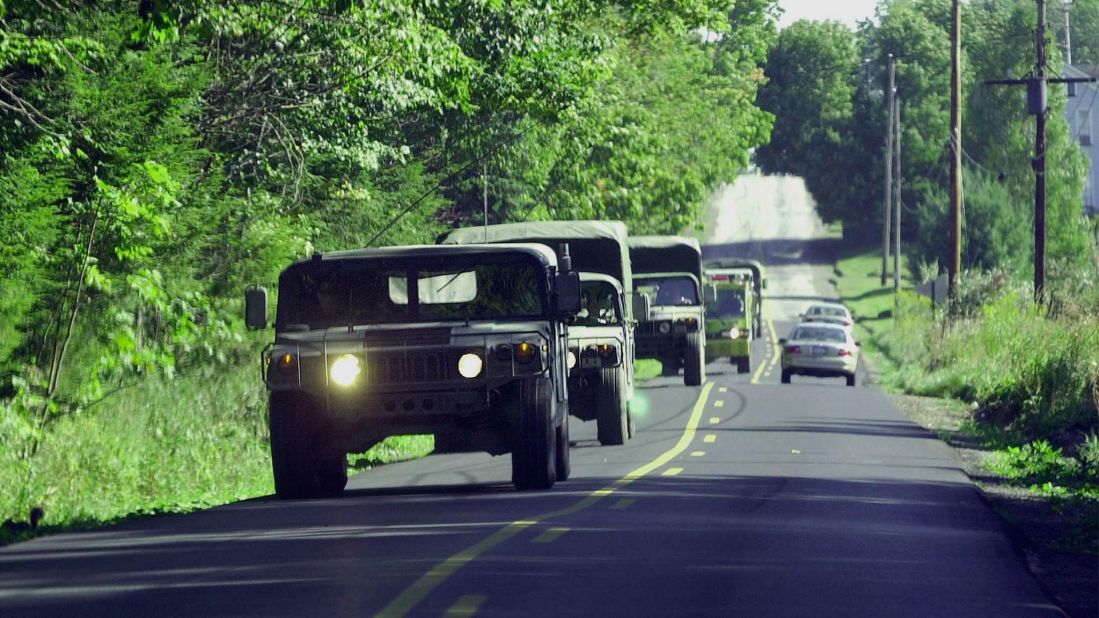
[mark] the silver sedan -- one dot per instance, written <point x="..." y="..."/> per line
<point x="821" y="350"/>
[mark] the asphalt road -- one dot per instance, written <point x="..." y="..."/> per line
<point x="743" y="497"/>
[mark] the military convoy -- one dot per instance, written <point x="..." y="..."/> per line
<point x="601" y="338"/>
<point x="489" y="341"/>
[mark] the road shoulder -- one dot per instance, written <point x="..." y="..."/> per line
<point x="1041" y="531"/>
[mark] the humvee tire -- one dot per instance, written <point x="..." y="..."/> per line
<point x="562" y="466"/>
<point x="694" y="362"/>
<point x="331" y="474"/>
<point x="534" y="454"/>
<point x="612" y="417"/>
<point x="743" y="365"/>
<point x="296" y="471"/>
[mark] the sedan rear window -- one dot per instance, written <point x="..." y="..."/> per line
<point x="819" y="334"/>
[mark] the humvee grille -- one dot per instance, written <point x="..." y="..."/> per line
<point x="407" y="366"/>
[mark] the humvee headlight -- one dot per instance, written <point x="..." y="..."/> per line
<point x="346" y="370"/>
<point x="571" y="359"/>
<point x="524" y="352"/>
<point x="734" y="333"/>
<point x="286" y="363"/>
<point x="665" y="328"/>
<point x="470" y="365"/>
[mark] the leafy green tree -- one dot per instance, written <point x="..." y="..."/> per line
<point x="810" y="90"/>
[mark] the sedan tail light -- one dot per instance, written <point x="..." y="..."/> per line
<point x="793" y="349"/>
<point x="847" y="322"/>
<point x="845" y="352"/>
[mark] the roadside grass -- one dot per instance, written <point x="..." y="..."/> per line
<point x="1029" y="381"/>
<point x="646" y="369"/>
<point x="162" y="446"/>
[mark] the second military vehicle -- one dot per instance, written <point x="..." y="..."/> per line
<point x="466" y="343"/>
<point x="601" y="339"/>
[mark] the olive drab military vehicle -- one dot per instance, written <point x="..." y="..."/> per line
<point x="601" y="339"/>
<point x="668" y="271"/>
<point x="751" y="269"/>
<point x="730" y="315"/>
<point x="467" y="343"/>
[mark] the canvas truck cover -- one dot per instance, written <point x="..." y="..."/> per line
<point x="666" y="254"/>
<point x="595" y="246"/>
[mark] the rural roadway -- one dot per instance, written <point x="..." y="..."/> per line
<point x="743" y="497"/>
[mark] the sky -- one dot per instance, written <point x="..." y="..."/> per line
<point x="846" y="11"/>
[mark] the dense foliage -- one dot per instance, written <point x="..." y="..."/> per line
<point x="159" y="156"/>
<point x="827" y="91"/>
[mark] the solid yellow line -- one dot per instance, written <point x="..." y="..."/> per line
<point x="623" y="503"/>
<point x="710" y="438"/>
<point x="418" y="591"/>
<point x="672" y="472"/>
<point x="550" y="535"/>
<point x="466" y="605"/>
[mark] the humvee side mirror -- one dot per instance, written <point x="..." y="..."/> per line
<point x="641" y="305"/>
<point x="255" y="308"/>
<point x="568" y="293"/>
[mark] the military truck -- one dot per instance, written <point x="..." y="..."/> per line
<point x="668" y="270"/>
<point x="601" y="339"/>
<point x="746" y="268"/>
<point x="730" y="313"/>
<point x="467" y="343"/>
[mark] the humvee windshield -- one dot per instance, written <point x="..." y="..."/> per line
<point x="730" y="303"/>
<point x="342" y="293"/>
<point x="598" y="305"/>
<point x="670" y="290"/>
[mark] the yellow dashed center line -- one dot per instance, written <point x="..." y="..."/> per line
<point x="412" y="596"/>
<point x="772" y="349"/>
<point x="720" y="403"/>
<point x="710" y="438"/>
<point x="714" y="420"/>
<point x="722" y="389"/>
<point x="698" y="453"/>
<point x="466" y="605"/>
<point x="623" y="503"/>
<point x="550" y="535"/>
<point x="672" y="471"/>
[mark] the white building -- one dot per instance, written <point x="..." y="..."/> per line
<point x="1082" y="114"/>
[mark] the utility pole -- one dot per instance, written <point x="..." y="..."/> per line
<point x="1037" y="104"/>
<point x="1040" y="107"/>
<point x="1067" y="8"/>
<point x="897" y="197"/>
<point x="890" y="105"/>
<point x="955" y="265"/>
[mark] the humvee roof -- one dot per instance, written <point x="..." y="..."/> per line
<point x="588" y="242"/>
<point x="537" y="251"/>
<point x="662" y="254"/>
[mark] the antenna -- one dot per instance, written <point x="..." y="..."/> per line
<point x="565" y="259"/>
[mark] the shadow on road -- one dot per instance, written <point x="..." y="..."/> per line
<point x="778" y="251"/>
<point x="797" y="546"/>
